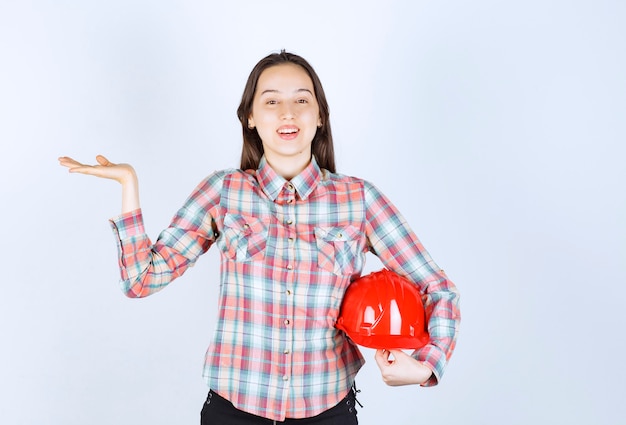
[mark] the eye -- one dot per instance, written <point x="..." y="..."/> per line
<point x="271" y="102"/>
<point x="303" y="101"/>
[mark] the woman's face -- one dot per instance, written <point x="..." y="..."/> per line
<point x="285" y="113"/>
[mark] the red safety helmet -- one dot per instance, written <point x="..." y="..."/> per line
<point x="384" y="310"/>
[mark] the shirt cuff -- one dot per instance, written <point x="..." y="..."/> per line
<point x="128" y="224"/>
<point x="433" y="358"/>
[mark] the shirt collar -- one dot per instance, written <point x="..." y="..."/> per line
<point x="271" y="183"/>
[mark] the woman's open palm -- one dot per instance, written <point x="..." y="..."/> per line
<point x="104" y="169"/>
<point x="122" y="173"/>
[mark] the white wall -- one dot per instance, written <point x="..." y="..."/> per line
<point x="496" y="127"/>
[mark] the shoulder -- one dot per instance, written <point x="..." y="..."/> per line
<point x="213" y="184"/>
<point x="217" y="178"/>
<point x="350" y="181"/>
<point x="341" y="179"/>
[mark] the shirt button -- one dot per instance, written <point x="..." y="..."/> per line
<point x="290" y="222"/>
<point x="286" y="322"/>
<point x="288" y="291"/>
<point x="289" y="186"/>
<point x="289" y="267"/>
<point x="286" y="351"/>
<point x="290" y="240"/>
<point x="289" y="201"/>
<point x="285" y="378"/>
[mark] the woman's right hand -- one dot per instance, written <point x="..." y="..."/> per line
<point x="122" y="173"/>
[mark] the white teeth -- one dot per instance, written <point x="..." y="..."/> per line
<point x="287" y="130"/>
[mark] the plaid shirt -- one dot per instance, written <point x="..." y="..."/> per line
<point x="289" y="249"/>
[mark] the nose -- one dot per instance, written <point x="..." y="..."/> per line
<point x="287" y="111"/>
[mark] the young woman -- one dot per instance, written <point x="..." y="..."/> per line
<point x="292" y="235"/>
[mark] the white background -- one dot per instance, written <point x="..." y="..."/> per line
<point x="497" y="127"/>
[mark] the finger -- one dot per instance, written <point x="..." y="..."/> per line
<point x="383" y="354"/>
<point x="66" y="161"/>
<point x="102" y="160"/>
<point x="382" y="358"/>
<point x="396" y="353"/>
<point x="84" y="169"/>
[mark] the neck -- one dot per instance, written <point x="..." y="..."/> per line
<point x="288" y="168"/>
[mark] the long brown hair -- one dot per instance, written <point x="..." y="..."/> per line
<point x="252" y="150"/>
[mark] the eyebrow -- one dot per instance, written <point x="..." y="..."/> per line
<point x="278" y="91"/>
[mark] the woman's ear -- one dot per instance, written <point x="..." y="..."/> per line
<point x="251" y="122"/>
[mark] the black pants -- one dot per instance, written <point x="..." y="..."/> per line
<point x="219" y="411"/>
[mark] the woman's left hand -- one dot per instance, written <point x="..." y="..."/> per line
<point x="402" y="369"/>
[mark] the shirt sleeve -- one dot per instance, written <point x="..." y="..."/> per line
<point x="146" y="268"/>
<point x="399" y="249"/>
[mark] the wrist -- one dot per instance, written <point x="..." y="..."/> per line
<point x="128" y="177"/>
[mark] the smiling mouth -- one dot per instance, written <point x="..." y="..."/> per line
<point x="289" y="130"/>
